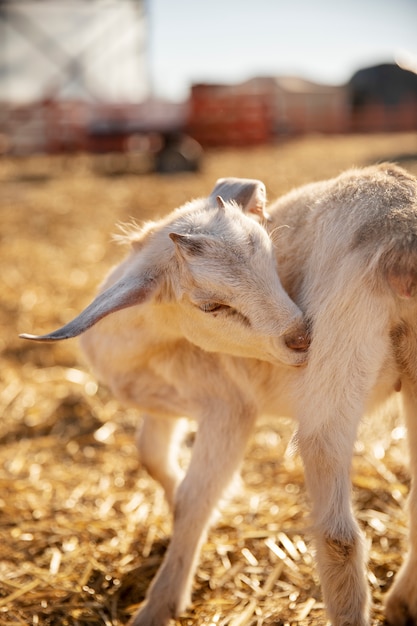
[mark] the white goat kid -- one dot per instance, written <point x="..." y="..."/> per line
<point x="205" y="279"/>
<point x="214" y="338"/>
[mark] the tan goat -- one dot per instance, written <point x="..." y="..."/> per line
<point x="211" y="334"/>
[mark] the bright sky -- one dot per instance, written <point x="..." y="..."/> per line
<point x="232" y="40"/>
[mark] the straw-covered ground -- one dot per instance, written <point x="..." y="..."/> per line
<point x="82" y="528"/>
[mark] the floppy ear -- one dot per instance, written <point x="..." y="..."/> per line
<point x="126" y="292"/>
<point x="248" y="193"/>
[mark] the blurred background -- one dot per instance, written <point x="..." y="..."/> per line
<point x="155" y="77"/>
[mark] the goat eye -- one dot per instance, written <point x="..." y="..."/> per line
<point x="211" y="307"/>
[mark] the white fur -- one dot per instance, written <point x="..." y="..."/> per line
<point x="347" y="258"/>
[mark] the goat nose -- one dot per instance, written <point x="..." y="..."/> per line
<point x="298" y="340"/>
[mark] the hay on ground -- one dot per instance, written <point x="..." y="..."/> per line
<point x="82" y="528"/>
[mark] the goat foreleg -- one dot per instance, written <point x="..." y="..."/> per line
<point x="217" y="453"/>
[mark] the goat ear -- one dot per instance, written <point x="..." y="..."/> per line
<point x="220" y="202"/>
<point x="190" y="245"/>
<point x="127" y="292"/>
<point x="248" y="193"/>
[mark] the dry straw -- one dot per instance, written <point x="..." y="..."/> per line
<point x="82" y="528"/>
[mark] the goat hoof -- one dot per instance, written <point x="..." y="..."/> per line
<point x="148" y="615"/>
<point x="398" y="612"/>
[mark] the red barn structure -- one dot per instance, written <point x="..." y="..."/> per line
<point x="263" y="109"/>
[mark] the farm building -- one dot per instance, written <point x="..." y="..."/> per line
<point x="72" y="72"/>
<point x="262" y="109"/>
<point x="383" y="98"/>
<point x="74" y="77"/>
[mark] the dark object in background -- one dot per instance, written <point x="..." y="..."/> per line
<point x="179" y="153"/>
<point x="383" y="98"/>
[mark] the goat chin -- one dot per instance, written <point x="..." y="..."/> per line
<point x="326" y="279"/>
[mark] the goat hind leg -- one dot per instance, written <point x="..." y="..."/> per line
<point x="336" y="386"/>
<point x="158" y="441"/>
<point x="401" y="601"/>
<point x="339" y="546"/>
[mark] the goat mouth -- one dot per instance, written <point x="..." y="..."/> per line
<point x="299" y="364"/>
<point x="290" y="358"/>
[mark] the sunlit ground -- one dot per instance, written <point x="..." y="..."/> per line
<point x="82" y="527"/>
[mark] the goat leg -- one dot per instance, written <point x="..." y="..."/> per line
<point x="401" y="601"/>
<point x="217" y="453"/>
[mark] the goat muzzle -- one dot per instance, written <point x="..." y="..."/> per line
<point x="298" y="341"/>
